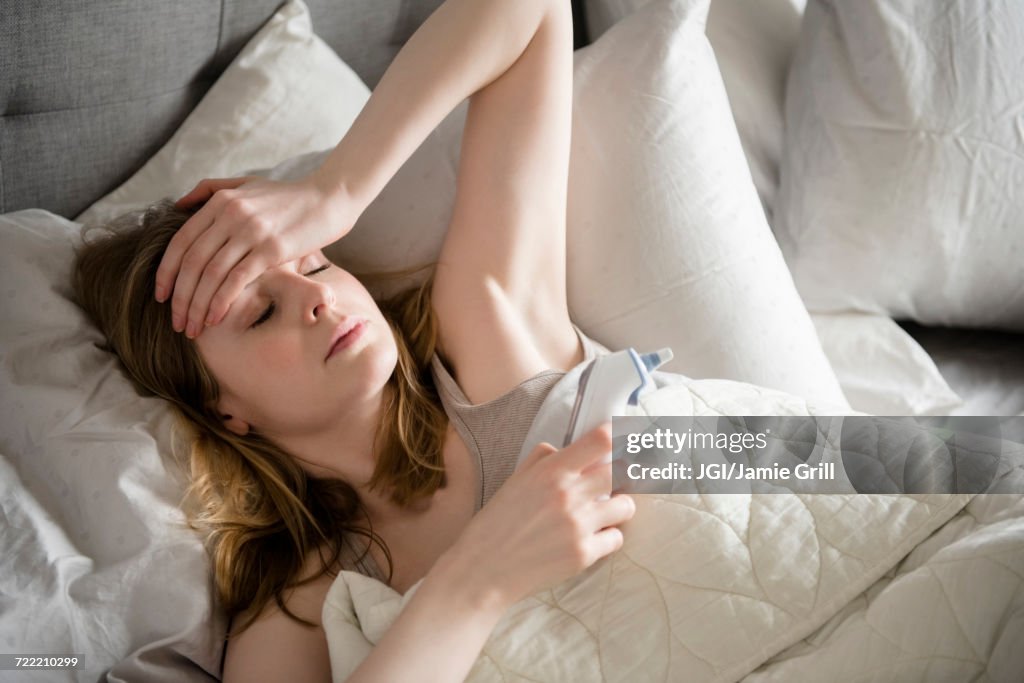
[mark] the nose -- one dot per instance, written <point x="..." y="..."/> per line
<point x="312" y="297"/>
<point x="318" y="299"/>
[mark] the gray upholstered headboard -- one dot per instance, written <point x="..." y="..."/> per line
<point x="90" y="90"/>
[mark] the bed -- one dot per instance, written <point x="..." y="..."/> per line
<point x="107" y="106"/>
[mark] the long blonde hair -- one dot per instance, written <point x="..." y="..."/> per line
<point x="261" y="513"/>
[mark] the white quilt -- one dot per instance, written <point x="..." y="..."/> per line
<point x="711" y="587"/>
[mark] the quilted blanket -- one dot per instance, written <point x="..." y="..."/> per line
<point x="710" y="587"/>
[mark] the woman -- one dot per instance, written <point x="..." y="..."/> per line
<point x="319" y="414"/>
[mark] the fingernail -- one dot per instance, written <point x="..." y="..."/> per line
<point x="176" y="323"/>
<point x="160" y="292"/>
<point x="190" y="332"/>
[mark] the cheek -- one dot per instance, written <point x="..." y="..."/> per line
<point x="252" y="368"/>
<point x="275" y="355"/>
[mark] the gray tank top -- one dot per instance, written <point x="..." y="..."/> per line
<point x="493" y="432"/>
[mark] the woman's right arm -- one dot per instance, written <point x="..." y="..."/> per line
<point x="544" y="525"/>
<point x="441" y="629"/>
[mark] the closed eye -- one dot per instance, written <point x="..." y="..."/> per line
<point x="269" y="310"/>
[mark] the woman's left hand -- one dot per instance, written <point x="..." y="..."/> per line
<point x="247" y="226"/>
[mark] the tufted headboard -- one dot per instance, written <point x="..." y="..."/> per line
<point x="90" y="90"/>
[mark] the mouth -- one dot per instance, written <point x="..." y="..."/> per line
<point x="345" y="334"/>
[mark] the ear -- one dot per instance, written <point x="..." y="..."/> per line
<point x="235" y="424"/>
<point x="228" y="415"/>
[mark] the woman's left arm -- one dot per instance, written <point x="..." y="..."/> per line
<point x="500" y="286"/>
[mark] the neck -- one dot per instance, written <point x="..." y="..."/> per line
<point x="344" y="449"/>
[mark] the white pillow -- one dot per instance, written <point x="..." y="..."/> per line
<point x="285" y="93"/>
<point x="753" y="43"/>
<point x="880" y="367"/>
<point x="903" y="182"/>
<point x="602" y="14"/>
<point x="667" y="242"/>
<point x="93" y="544"/>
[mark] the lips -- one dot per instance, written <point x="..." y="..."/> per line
<point x="343" y="334"/>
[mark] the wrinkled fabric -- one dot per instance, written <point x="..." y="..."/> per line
<point x="880" y="367"/>
<point x="902" y="189"/>
<point x="95" y="557"/>
<point x="709" y="587"/>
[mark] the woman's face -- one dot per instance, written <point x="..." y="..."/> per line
<point x="275" y="358"/>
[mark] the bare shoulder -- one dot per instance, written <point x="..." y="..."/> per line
<point x="275" y="647"/>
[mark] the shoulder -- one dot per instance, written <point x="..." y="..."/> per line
<point x="275" y="646"/>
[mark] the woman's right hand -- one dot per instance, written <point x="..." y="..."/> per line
<point x="245" y="226"/>
<point x="548" y="522"/>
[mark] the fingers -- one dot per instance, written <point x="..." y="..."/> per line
<point x="212" y="283"/>
<point x="589" y="448"/>
<point x="597" y="479"/>
<point x="170" y="264"/>
<point x="606" y="517"/>
<point x="606" y="542"/>
<point x="184" y="314"/>
<point x="211" y="259"/>
<point x="247" y="270"/>
<point x="539" y="452"/>
<point x="206" y="189"/>
<point x="618" y="509"/>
